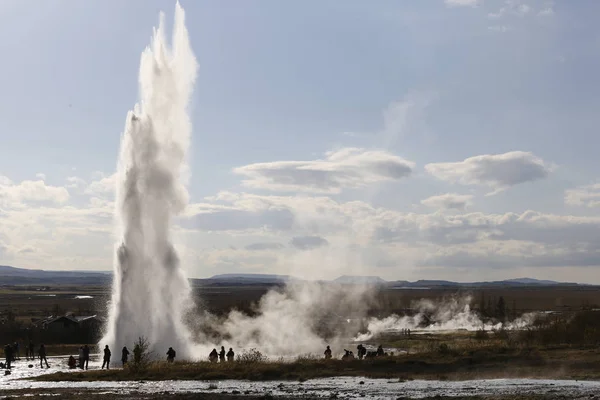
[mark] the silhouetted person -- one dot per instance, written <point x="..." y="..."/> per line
<point x="230" y="355"/>
<point x="222" y="354"/>
<point x="380" y="351"/>
<point x="327" y="353"/>
<point x="42" y="355"/>
<point x="86" y="356"/>
<point x="106" y="360"/>
<point x="8" y="355"/>
<point x="31" y="350"/>
<point x="124" y="355"/>
<point x="171" y="355"/>
<point x="72" y="362"/>
<point x="80" y="357"/>
<point x="361" y="351"/>
<point x="16" y="354"/>
<point x="213" y="356"/>
<point x="137" y="354"/>
<point x="348" y="355"/>
<point x="408" y="332"/>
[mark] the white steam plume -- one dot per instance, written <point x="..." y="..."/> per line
<point x="303" y="318"/>
<point x="150" y="291"/>
<point x="446" y="315"/>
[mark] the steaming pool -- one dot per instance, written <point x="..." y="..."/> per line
<point x="342" y="387"/>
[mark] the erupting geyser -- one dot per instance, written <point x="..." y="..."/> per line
<point x="150" y="292"/>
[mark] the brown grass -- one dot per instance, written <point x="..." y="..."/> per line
<point x="490" y="362"/>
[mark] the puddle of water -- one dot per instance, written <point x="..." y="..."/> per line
<point x="341" y="386"/>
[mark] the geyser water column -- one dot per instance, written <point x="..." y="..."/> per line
<point x="150" y="291"/>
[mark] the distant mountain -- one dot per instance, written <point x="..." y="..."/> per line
<point x="351" y="279"/>
<point x="423" y="282"/>
<point x="254" y="278"/>
<point x="505" y="283"/>
<point x="531" y="281"/>
<point x="23" y="276"/>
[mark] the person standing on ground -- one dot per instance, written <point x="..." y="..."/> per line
<point x="42" y="354"/>
<point x="17" y="355"/>
<point x="80" y="357"/>
<point x="31" y="350"/>
<point x="86" y="356"/>
<point x="8" y="355"/>
<point x="213" y="356"/>
<point x="124" y="355"/>
<point x="327" y="353"/>
<point x="230" y="355"/>
<point x="106" y="360"/>
<point x="171" y="355"/>
<point x="222" y="354"/>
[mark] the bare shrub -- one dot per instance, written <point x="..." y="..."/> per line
<point x="142" y="356"/>
<point x="252" y="356"/>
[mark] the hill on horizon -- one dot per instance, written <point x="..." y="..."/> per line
<point x="21" y="276"/>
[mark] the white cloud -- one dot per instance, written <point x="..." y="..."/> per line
<point x="461" y="3"/>
<point x="341" y="237"/>
<point x="517" y="8"/>
<point x="41" y="176"/>
<point x="448" y="201"/>
<point x="341" y="169"/>
<point x="74" y="182"/>
<point x="522" y="9"/>
<point x="308" y="242"/>
<point x="105" y="185"/>
<point x="370" y="238"/>
<point x="498" y="171"/>
<point x="588" y="196"/>
<point x="264" y="246"/>
<point x="497" y="14"/>
<point x="13" y="195"/>
<point x="4" y="181"/>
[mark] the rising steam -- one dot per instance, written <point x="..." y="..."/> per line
<point x="298" y="319"/>
<point x="150" y="291"/>
<point x="447" y="315"/>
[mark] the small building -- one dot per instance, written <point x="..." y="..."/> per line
<point x="71" y="328"/>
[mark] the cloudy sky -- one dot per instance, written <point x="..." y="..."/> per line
<point x="444" y="139"/>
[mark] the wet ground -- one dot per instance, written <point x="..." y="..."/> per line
<point x="339" y="387"/>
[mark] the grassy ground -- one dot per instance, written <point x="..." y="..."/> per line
<point x="491" y="362"/>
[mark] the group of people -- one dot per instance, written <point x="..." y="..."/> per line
<point x="84" y="356"/>
<point x="361" y="353"/>
<point x="11" y="354"/>
<point x="215" y="356"/>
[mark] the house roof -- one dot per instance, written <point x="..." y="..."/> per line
<point x="86" y="318"/>
<point x="71" y="318"/>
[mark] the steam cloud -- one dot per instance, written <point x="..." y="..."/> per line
<point x="447" y="315"/>
<point x="302" y="318"/>
<point x="150" y="292"/>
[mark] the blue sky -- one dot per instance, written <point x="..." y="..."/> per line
<point x="452" y="139"/>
